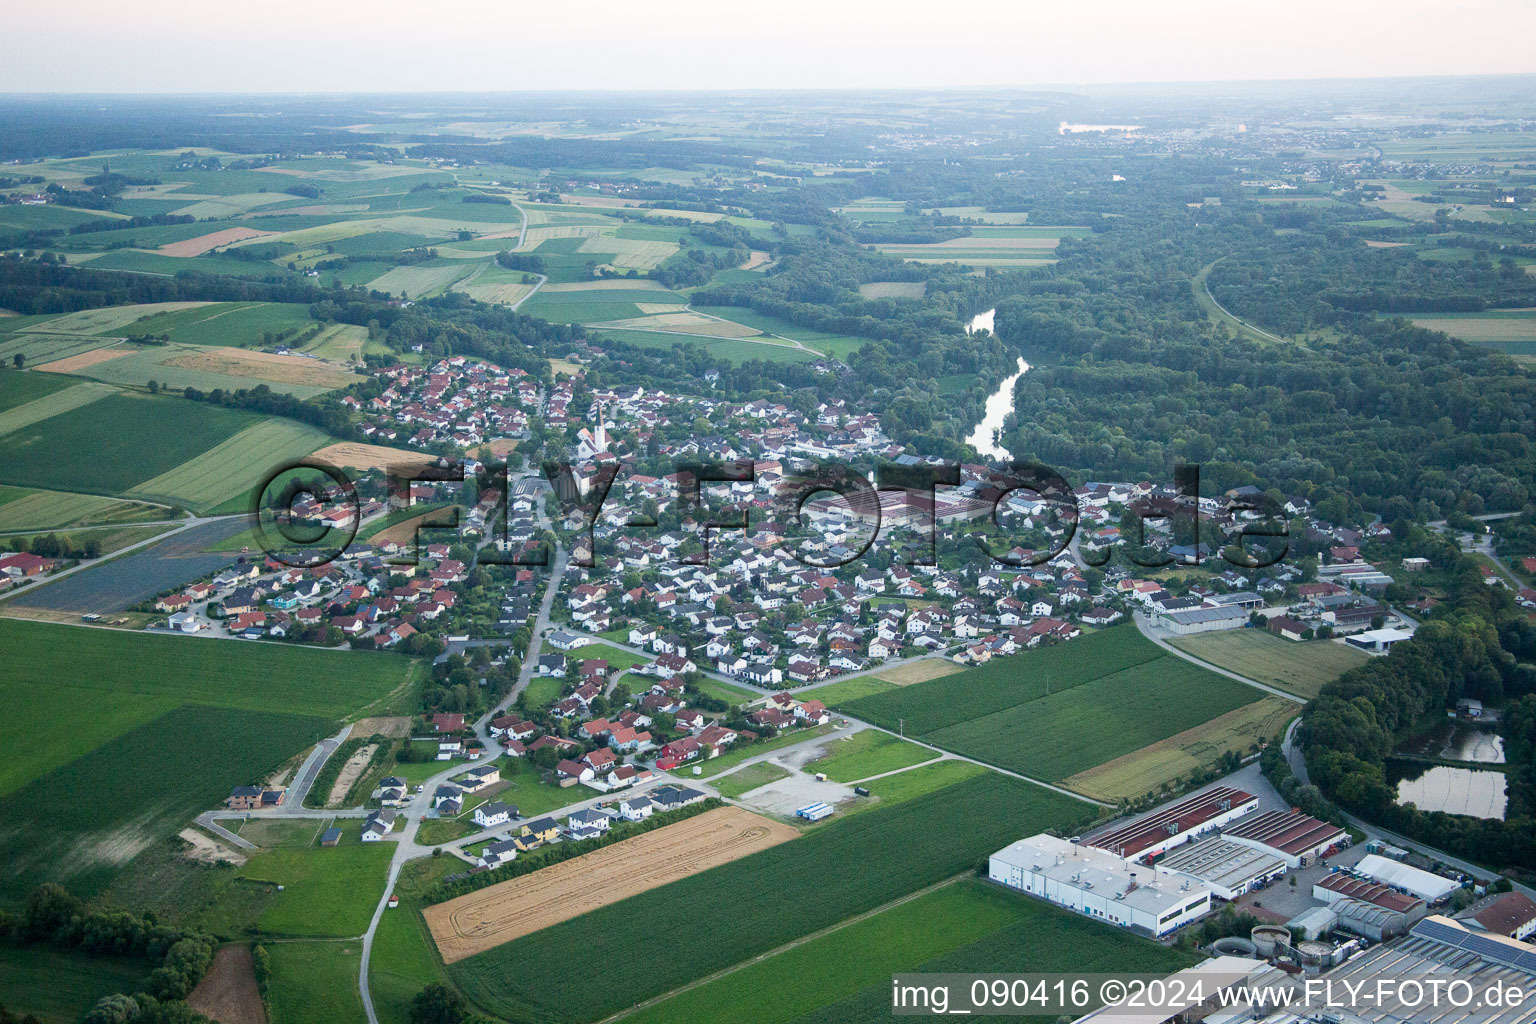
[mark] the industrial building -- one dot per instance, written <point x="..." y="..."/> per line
<point x="1296" y="838"/>
<point x="1368" y="908"/>
<point x="1511" y="914"/>
<point x="1436" y="950"/>
<point x="1099" y="884"/>
<point x="1379" y="640"/>
<point x="1228" y="869"/>
<point x="1152" y="834"/>
<point x="1202" y="620"/>
<point x="1427" y="886"/>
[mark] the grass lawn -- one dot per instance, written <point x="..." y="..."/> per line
<point x="60" y="987"/>
<point x="749" y="778"/>
<point x="739" y="752"/>
<point x="530" y="793"/>
<point x="846" y="961"/>
<point x="543" y="691"/>
<point x="726" y="692"/>
<point x="404" y="960"/>
<point x="838" y="693"/>
<point x="1296" y="667"/>
<point x="327" y="891"/>
<point x="315" y="982"/>
<point x="866" y="753"/>
<point x="924" y="779"/>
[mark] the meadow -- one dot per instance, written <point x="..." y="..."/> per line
<point x="112" y="444"/>
<point x="315" y="981"/>
<point x="858" y="864"/>
<point x="750" y="778"/>
<point x="865" y="753"/>
<point x="1300" y="668"/>
<point x="739" y="751"/>
<point x="326" y="891"/>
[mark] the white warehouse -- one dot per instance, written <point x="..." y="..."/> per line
<point x="1099" y="885"/>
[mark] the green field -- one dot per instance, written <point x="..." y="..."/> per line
<point x="231" y="468"/>
<point x="81" y="822"/>
<point x="1300" y="668"/>
<point x="866" y="753"/>
<point x="60" y="987"/>
<point x="738" y="752"/>
<point x="315" y="982"/>
<point x="1044" y="939"/>
<point x="1052" y="713"/>
<point x="327" y="891"/>
<point x="38" y="349"/>
<point x="750" y="778"/>
<point x="136" y="366"/>
<point x="595" y="304"/>
<point x="845" y="691"/>
<point x="237" y="324"/>
<point x="53" y="404"/>
<point x="857" y="864"/>
<point x="127" y="679"/>
<point x="845" y="962"/>
<point x="1003" y="683"/>
<point x="924" y="779"/>
<point x="110" y="445"/>
<point x="24" y="509"/>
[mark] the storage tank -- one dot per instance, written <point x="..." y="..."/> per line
<point x="1235" y="946"/>
<point x="1314" y="953"/>
<point x="1266" y="936"/>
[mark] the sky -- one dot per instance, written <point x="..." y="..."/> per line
<point x="288" y="46"/>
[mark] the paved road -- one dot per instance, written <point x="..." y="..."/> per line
<point x="1152" y="633"/>
<point x="407" y="848"/>
<point x="304" y="778"/>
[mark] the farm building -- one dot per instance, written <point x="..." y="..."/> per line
<point x="1228" y="869"/>
<point x="331" y="837"/>
<point x="1098" y="884"/>
<point x="1429" y="887"/>
<point x="1511" y="914"/>
<point x="1202" y="620"/>
<point x="1168" y="827"/>
<point x="1295" y="838"/>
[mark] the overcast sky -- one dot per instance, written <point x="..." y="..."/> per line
<point x="392" y="45"/>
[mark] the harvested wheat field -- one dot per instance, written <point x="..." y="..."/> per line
<point x="919" y="671"/>
<point x="480" y="920"/>
<point x="240" y="362"/>
<point x="228" y="992"/>
<point x="75" y="363"/>
<point x="370" y="456"/>
<point x="392" y="726"/>
<point x="207" y="243"/>
<point x="682" y="323"/>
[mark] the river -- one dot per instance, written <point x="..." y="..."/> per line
<point x="999" y="404"/>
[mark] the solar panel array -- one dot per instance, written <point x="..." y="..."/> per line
<point x="1473" y="942"/>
